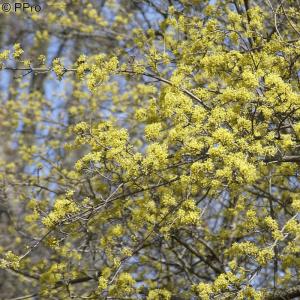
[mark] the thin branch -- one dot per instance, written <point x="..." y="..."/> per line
<point x="24" y="297"/>
<point x="206" y="261"/>
<point x="185" y="91"/>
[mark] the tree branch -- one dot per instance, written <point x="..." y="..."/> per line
<point x="286" y="294"/>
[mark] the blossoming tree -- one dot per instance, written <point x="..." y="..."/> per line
<point x="150" y="150"/>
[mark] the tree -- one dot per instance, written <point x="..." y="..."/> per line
<point x="150" y="150"/>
